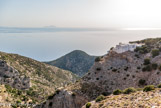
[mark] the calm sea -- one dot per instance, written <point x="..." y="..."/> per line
<point x="49" y="46"/>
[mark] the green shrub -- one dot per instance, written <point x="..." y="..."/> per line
<point x="159" y="86"/>
<point x="114" y="70"/>
<point x="88" y="105"/>
<point x="148" y="88"/>
<point x="98" y="69"/>
<point x="154" y="66"/>
<point x="111" y="48"/>
<point x="73" y="94"/>
<point x="136" y="55"/>
<point x="50" y="104"/>
<point x="143" y="49"/>
<point x="147" y="68"/>
<point x="146" y="61"/>
<point x="97" y="59"/>
<point x="160" y="67"/>
<point x="155" y="52"/>
<point x="51" y="97"/>
<point x="117" y="92"/>
<point x="126" y="68"/>
<point x="18" y="101"/>
<point x="14" y="106"/>
<point x="57" y="91"/>
<point x="100" y="98"/>
<point x="142" y="82"/>
<point x="8" y="88"/>
<point x="129" y="90"/>
<point x="138" y="67"/>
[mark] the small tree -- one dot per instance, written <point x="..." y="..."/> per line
<point x="129" y="90"/>
<point x="147" y="68"/>
<point x="97" y="59"/>
<point x="146" y="61"/>
<point x="160" y="67"/>
<point x="100" y="98"/>
<point x="155" y="52"/>
<point x="154" y="66"/>
<point x="142" y="82"/>
<point x="117" y="92"/>
<point x="148" y="88"/>
<point x="88" y="105"/>
<point x="159" y="86"/>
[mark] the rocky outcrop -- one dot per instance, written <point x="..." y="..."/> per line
<point x="64" y="99"/>
<point x="10" y="76"/>
<point x="120" y="71"/>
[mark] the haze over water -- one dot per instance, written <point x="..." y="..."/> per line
<point x="51" y="45"/>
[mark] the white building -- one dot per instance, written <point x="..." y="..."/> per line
<point x="125" y="47"/>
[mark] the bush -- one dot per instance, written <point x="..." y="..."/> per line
<point x="136" y="55"/>
<point x="73" y="94"/>
<point x="50" y="104"/>
<point x="138" y="67"/>
<point x="160" y="67"/>
<point x="114" y="70"/>
<point x="155" y="52"/>
<point x="51" y="97"/>
<point x="154" y="66"/>
<point x="117" y="92"/>
<point x="159" y="86"/>
<point x="147" y="68"/>
<point x="126" y="68"/>
<point x="148" y="88"/>
<point x="57" y="91"/>
<point x="146" y="61"/>
<point x="88" y="105"/>
<point x="129" y="90"/>
<point x="98" y="69"/>
<point x="97" y="59"/>
<point x="142" y="82"/>
<point x="100" y="98"/>
<point x="143" y="50"/>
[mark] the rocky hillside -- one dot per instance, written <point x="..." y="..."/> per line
<point x="14" y="98"/>
<point x="37" y="79"/>
<point x="113" y="71"/>
<point x="135" y="99"/>
<point x="76" y="61"/>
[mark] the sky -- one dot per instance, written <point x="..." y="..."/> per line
<point x="81" y="13"/>
<point x="79" y="23"/>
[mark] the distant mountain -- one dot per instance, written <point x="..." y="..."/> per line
<point x="35" y="79"/>
<point x="47" y="29"/>
<point x="76" y="61"/>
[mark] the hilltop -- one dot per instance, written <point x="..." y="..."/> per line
<point x="113" y="71"/>
<point x="37" y="79"/>
<point x="76" y="61"/>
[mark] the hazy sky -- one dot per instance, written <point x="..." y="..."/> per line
<point x="81" y="13"/>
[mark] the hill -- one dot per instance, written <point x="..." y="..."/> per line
<point x="76" y="61"/>
<point x="113" y="71"/>
<point x="36" y="79"/>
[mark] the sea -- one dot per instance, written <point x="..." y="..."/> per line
<point x="46" y="46"/>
